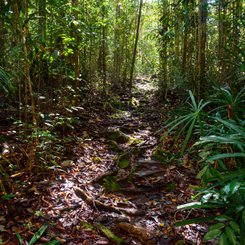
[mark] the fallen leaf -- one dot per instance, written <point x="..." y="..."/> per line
<point x="2" y="228"/>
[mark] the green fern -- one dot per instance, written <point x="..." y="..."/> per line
<point x="5" y="83"/>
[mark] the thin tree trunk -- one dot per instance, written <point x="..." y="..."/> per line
<point x="135" y="47"/>
<point x="163" y="74"/>
<point x="28" y="83"/>
<point x="41" y="62"/>
<point x="176" y="42"/>
<point x="196" y="53"/>
<point x="222" y="12"/>
<point x="185" y="40"/>
<point x="15" y="23"/>
<point x="76" y="44"/>
<point x="116" y="69"/>
<point x="2" y="34"/>
<point x="202" y="45"/>
<point x="237" y="6"/>
<point x="42" y="25"/>
<point x="104" y="52"/>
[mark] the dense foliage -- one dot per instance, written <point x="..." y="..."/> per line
<point x="202" y="43"/>
<point x="59" y="57"/>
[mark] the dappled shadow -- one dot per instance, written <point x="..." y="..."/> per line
<point x="111" y="179"/>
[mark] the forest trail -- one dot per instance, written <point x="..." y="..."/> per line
<point x="83" y="162"/>
<point x="109" y="181"/>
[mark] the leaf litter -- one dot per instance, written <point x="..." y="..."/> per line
<point x="107" y="187"/>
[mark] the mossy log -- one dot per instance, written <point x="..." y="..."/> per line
<point x="118" y="136"/>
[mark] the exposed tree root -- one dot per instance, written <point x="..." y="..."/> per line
<point x="101" y="206"/>
<point x="142" y="234"/>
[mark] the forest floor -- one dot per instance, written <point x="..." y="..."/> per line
<point x="108" y="186"/>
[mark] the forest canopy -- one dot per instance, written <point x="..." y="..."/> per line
<point x="116" y="116"/>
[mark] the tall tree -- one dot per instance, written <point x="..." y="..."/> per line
<point x="203" y="4"/>
<point x="135" y="46"/>
<point x="76" y="44"/>
<point x="185" y="36"/>
<point x="28" y="83"/>
<point x="42" y="25"/>
<point x="222" y="37"/>
<point x="2" y="33"/>
<point x="103" y="46"/>
<point x="117" y="36"/>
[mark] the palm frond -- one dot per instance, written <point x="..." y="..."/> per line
<point x="5" y="82"/>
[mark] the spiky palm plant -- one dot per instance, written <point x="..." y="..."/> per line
<point x="186" y="124"/>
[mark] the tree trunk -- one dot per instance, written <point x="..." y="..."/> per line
<point x="28" y="83"/>
<point x="185" y="40"/>
<point x="2" y="34"/>
<point x="222" y="12"/>
<point x="104" y="51"/>
<point x="176" y="42"/>
<point x="15" y="23"/>
<point x="42" y="20"/>
<point x="76" y="48"/>
<point x="237" y="6"/>
<point x="116" y="68"/>
<point x="135" y="47"/>
<point x="163" y="74"/>
<point x="202" y="45"/>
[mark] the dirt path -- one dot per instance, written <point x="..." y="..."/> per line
<point x="110" y="183"/>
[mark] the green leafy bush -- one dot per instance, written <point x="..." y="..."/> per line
<point x="227" y="103"/>
<point x="5" y="83"/>
<point x="186" y="124"/>
<point x="222" y="152"/>
<point x="226" y="194"/>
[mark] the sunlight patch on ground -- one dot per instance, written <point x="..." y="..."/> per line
<point x="145" y="84"/>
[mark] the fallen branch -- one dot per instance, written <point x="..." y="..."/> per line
<point x="142" y="234"/>
<point x="101" y="206"/>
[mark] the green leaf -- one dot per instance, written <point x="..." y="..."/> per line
<point x="198" y="205"/>
<point x="55" y="242"/>
<point x="176" y="123"/>
<point x="123" y="163"/>
<point x="188" y="135"/>
<point x="232" y="187"/>
<point x="243" y="215"/>
<point x="7" y="197"/>
<point x="117" y="240"/>
<point x="223" y="240"/>
<point x="194" y="221"/>
<point x="228" y="139"/>
<point x="231" y="235"/>
<point x="238" y="174"/>
<point x="194" y="104"/>
<point x="190" y="205"/>
<point x="222" y="218"/>
<point x="235" y="227"/>
<point x="231" y="125"/>
<point x="212" y="234"/>
<point x="19" y="237"/>
<point x="202" y="172"/>
<point x="242" y="228"/>
<point x="225" y="155"/>
<point x="239" y="208"/>
<point x="206" y="197"/>
<point x="5" y="83"/>
<point x="217" y="226"/>
<point x="38" y="234"/>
